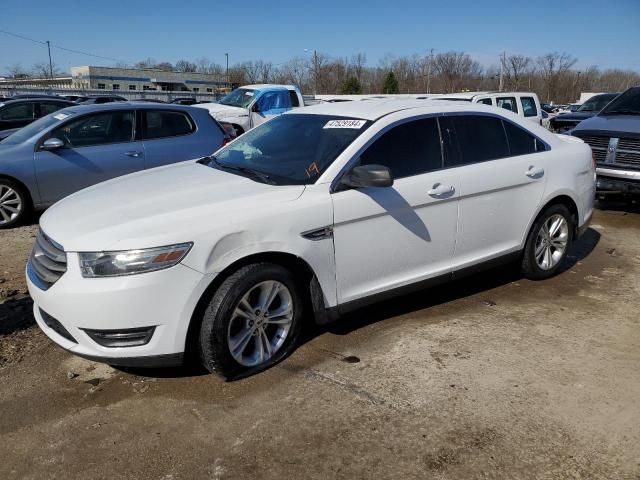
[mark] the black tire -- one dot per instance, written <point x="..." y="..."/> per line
<point x="213" y="342"/>
<point x="25" y="204"/>
<point x="530" y="267"/>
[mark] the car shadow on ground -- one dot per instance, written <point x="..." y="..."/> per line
<point x="385" y="310"/>
<point x="620" y="204"/>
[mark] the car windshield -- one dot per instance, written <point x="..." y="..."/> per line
<point x="293" y="149"/>
<point x="627" y="103"/>
<point x="240" y="97"/>
<point x="34" y="128"/>
<point x="597" y="103"/>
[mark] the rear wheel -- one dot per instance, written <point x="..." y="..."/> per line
<point x="13" y="203"/>
<point x="548" y="243"/>
<point x="252" y="321"/>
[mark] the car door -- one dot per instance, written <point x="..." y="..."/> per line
<point x="269" y="105"/>
<point x="17" y="115"/>
<point x="390" y="237"/>
<point x="97" y="147"/>
<point x="170" y="136"/>
<point x="502" y="169"/>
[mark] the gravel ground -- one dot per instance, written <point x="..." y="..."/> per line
<point x="491" y="377"/>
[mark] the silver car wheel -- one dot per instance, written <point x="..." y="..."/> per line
<point x="10" y="204"/>
<point x="260" y="323"/>
<point x="552" y="242"/>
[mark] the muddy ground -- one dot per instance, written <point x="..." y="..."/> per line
<point x="491" y="377"/>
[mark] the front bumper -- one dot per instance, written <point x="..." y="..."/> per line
<point x="164" y="299"/>
<point x="617" y="181"/>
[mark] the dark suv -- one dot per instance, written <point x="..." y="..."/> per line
<point x="15" y="114"/>
<point x="614" y="137"/>
<point x="567" y="121"/>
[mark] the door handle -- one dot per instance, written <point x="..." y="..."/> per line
<point x="134" y="154"/>
<point x="534" y="172"/>
<point x="439" y="190"/>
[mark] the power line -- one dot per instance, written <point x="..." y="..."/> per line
<point x="59" y="47"/>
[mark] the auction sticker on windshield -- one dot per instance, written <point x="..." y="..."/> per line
<point x="345" y="124"/>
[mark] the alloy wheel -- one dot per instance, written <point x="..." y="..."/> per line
<point x="260" y="323"/>
<point x="10" y="204"/>
<point x="551" y="242"/>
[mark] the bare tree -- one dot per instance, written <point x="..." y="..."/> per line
<point x="44" y="70"/>
<point x="204" y="65"/>
<point x="258" y="71"/>
<point x="16" y="71"/>
<point x="357" y="65"/>
<point x="185" y="66"/>
<point x="553" y="66"/>
<point x="455" y="69"/>
<point x="515" y="68"/>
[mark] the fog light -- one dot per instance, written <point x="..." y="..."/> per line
<point x="131" y="337"/>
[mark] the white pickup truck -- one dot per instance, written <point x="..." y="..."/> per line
<point x="249" y="106"/>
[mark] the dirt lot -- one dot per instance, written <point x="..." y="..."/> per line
<point x="493" y="377"/>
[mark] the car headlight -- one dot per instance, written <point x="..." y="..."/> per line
<point x="130" y="262"/>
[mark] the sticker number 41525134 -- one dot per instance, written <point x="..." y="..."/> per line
<point x="345" y="123"/>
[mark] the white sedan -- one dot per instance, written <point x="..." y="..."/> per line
<point x="307" y="216"/>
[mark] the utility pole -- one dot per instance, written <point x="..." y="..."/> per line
<point x="315" y="71"/>
<point x="502" y="61"/>
<point x="429" y="71"/>
<point x="50" y="63"/>
<point x="227" y="55"/>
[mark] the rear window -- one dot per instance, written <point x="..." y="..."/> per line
<point x="162" y="124"/>
<point x="508" y="103"/>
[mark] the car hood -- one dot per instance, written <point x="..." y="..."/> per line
<point x="611" y="125"/>
<point x="574" y="116"/>
<point x="166" y="205"/>
<point x="218" y="111"/>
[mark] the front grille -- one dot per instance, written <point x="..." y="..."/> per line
<point x="628" y="151"/>
<point x="629" y="144"/>
<point x="48" y="262"/>
<point x="56" y="326"/>
<point x="598" y="146"/>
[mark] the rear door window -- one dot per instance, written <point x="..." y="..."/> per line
<point x="529" y="107"/>
<point x="508" y="103"/>
<point x="473" y="139"/>
<point x="166" y="123"/>
<point x="49" y="107"/>
<point x="408" y="149"/>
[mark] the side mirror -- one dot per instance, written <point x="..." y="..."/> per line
<point x="52" y="144"/>
<point x="256" y="108"/>
<point x="368" y="176"/>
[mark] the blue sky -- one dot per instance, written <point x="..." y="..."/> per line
<point x="598" y="32"/>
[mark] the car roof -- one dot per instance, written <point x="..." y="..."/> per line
<point x="471" y="95"/>
<point x="262" y="86"/>
<point x="375" y="108"/>
<point x="92" y="107"/>
<point x="35" y="99"/>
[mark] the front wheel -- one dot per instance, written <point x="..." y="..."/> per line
<point x="13" y="204"/>
<point x="252" y="321"/>
<point x="548" y="243"/>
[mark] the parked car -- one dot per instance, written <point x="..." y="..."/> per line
<point x="75" y="98"/>
<point x="99" y="99"/>
<point x="249" y="106"/>
<point x="15" y="114"/>
<point x="83" y="145"/>
<point x="525" y="104"/>
<point x="614" y="137"/>
<point x="150" y="100"/>
<point x="567" y="121"/>
<point x="185" y="101"/>
<point x="310" y="215"/>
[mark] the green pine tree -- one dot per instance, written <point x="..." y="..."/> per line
<point x="351" y="86"/>
<point x="390" y="85"/>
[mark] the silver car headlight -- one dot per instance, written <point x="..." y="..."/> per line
<point x="131" y="262"/>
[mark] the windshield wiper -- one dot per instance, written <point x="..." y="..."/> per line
<point x="265" y="178"/>
<point x="622" y="111"/>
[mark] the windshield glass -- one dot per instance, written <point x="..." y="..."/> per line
<point x="291" y="149"/>
<point x="240" y="97"/>
<point x="627" y="103"/>
<point x="597" y="103"/>
<point x="34" y="128"/>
